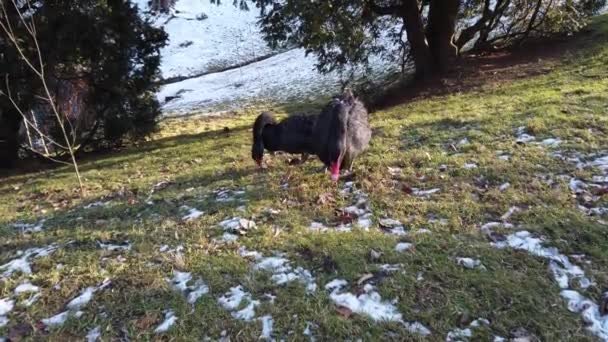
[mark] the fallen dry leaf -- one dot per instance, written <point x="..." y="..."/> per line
<point x="364" y="278"/>
<point x="326" y="198"/>
<point x="146" y="322"/>
<point x="344" y="311"/>
<point x="407" y="189"/>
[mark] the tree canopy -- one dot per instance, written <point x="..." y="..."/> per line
<point x="428" y="33"/>
<point x="101" y="60"/>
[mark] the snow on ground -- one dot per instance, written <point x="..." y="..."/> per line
<point x="193" y="213"/>
<point x="192" y="292"/>
<point x="370" y="304"/>
<point x="283" y="273"/>
<point x="279" y="78"/>
<point x="22" y="264"/>
<point x="267" y="323"/>
<point x="232" y="300"/>
<point x="226" y="37"/>
<point x="168" y="322"/>
<point x="466" y="333"/>
<point x="564" y="272"/>
<point x="30" y="227"/>
<point x="6" y="306"/>
<point x="74" y="306"/>
<point x="403" y="246"/>
<point x="94" y="334"/>
<point x="470" y="263"/>
<point x="123" y="246"/>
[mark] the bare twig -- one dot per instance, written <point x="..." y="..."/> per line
<point x="39" y="71"/>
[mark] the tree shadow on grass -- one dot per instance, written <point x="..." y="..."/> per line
<point x="99" y="160"/>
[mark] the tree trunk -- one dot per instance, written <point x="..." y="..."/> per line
<point x="440" y="32"/>
<point x="421" y="54"/>
<point x="9" y="139"/>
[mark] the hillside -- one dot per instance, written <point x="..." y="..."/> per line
<point x="216" y="59"/>
<point x="478" y="214"/>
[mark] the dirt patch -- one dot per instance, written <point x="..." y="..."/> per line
<point x="476" y="69"/>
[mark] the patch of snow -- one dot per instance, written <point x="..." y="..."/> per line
<point x="551" y="142"/>
<point x="86" y="295"/>
<point x="3" y="322"/>
<point x="503" y="187"/>
<point x="57" y="320"/>
<point x="308" y="331"/>
<point x="6" y="306"/>
<point x="236" y="224"/>
<point x="267" y="323"/>
<point x="278" y="78"/>
<point x="232" y="300"/>
<point x="94" y="334"/>
<point x="418" y="192"/>
<point x="226" y="195"/>
<point x="466" y="333"/>
<point x="192" y="215"/>
<point x="577" y="186"/>
<point x="21" y="264"/>
<point x="463" y="141"/>
<point x="390" y="223"/>
<point x="124" y="246"/>
<point x="388" y="268"/>
<point x="169" y="321"/>
<point x="599" y="179"/>
<point x="370" y="304"/>
<point x="336" y="284"/>
<point x="469" y="166"/>
<point x="283" y="273"/>
<point x="245" y="253"/>
<point x="228" y="238"/>
<point x="403" y="246"/>
<point x="523" y="137"/>
<point x="226" y="36"/>
<point x="191" y="292"/>
<point x="97" y="204"/>
<point x="563" y="272"/>
<point x="470" y="263"/>
<point x="83" y="299"/>
<point x="26" y="287"/>
<point x="365" y="221"/>
<point x="317" y="226"/>
<point x="30" y="227"/>
<point x="589" y="310"/>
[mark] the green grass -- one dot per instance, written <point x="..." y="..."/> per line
<point x="197" y="156"/>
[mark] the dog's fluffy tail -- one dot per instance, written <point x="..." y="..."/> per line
<point x="257" y="149"/>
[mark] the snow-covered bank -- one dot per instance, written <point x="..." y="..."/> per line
<point x="279" y="78"/>
<point x="205" y="37"/>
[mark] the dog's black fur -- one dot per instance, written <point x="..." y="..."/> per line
<point x="337" y="135"/>
<point x="293" y="135"/>
<point x="342" y="132"/>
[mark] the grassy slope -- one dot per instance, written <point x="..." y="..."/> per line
<point x="197" y="156"/>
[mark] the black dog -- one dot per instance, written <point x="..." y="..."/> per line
<point x="293" y="135"/>
<point x="341" y="133"/>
